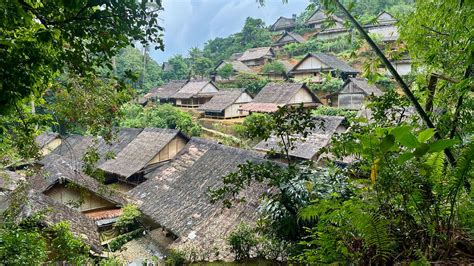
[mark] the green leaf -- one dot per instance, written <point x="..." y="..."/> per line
<point x="442" y="144"/>
<point x="421" y="150"/>
<point x="405" y="137"/>
<point x="405" y="157"/>
<point x="426" y="134"/>
<point x="387" y="143"/>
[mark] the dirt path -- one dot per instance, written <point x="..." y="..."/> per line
<point x="218" y="133"/>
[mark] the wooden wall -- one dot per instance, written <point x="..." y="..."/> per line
<point x="71" y="196"/>
<point x="170" y="150"/>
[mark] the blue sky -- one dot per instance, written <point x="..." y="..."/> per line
<point x="190" y="23"/>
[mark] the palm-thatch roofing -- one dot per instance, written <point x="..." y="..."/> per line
<point x="237" y="66"/>
<point x="140" y="151"/>
<point x="57" y="170"/>
<point x="257" y="53"/>
<point x="45" y="138"/>
<point x="74" y="147"/>
<point x="193" y="89"/>
<point x="289" y="37"/>
<point x="382" y="19"/>
<point x="235" y="56"/>
<point x="364" y="86"/>
<point x="333" y="63"/>
<point x="283" y="23"/>
<point x="319" y="17"/>
<point x="53" y="212"/>
<point x="222" y="100"/>
<point x="307" y="148"/>
<point x="176" y="197"/>
<point x="167" y="90"/>
<point x="9" y="180"/>
<point x="276" y="94"/>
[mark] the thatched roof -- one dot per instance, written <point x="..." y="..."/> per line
<point x="222" y="100"/>
<point x="176" y="197"/>
<point x="320" y="17"/>
<point x="57" y="170"/>
<point x="138" y="152"/>
<point x="363" y="84"/>
<point x="283" y="23"/>
<point x="309" y="147"/>
<point x="74" y="147"/>
<point x="168" y="89"/>
<point x="257" y="53"/>
<point x="237" y="66"/>
<point x="33" y="202"/>
<point x="384" y="18"/>
<point x="45" y="138"/>
<point x="331" y="61"/>
<point x="192" y="89"/>
<point x="9" y="180"/>
<point x="281" y="93"/>
<point x="294" y="36"/>
<point x="235" y="56"/>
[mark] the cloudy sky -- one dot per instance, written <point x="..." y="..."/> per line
<point x="190" y="23"/>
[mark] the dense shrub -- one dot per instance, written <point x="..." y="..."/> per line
<point x="175" y="258"/>
<point x="119" y="241"/>
<point x="241" y="241"/>
<point x="334" y="111"/>
<point x="129" y="218"/>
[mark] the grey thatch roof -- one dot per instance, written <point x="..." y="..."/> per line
<point x="168" y="89"/>
<point x="236" y="65"/>
<point x="222" y="100"/>
<point x="307" y="148"/>
<point x="363" y="84"/>
<point x="331" y="61"/>
<point x="177" y="199"/>
<point x="45" y="138"/>
<point x="74" y="147"/>
<point x="295" y="36"/>
<point x="257" y="53"/>
<point x="385" y="18"/>
<point x="283" y="23"/>
<point x="235" y="56"/>
<point x="9" y="180"/>
<point x="281" y="93"/>
<point x="54" y="212"/>
<point x="138" y="152"/>
<point x="191" y="89"/>
<point x="320" y="17"/>
<point x="57" y="170"/>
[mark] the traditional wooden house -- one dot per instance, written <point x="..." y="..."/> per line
<point x="275" y="95"/>
<point x="257" y="56"/>
<point x="283" y="24"/>
<point x="313" y="64"/>
<point x="194" y="93"/>
<point x="163" y="94"/>
<point x="149" y="149"/>
<point x="319" y="20"/>
<point x="237" y="67"/>
<point x="226" y="104"/>
<point x="47" y="142"/>
<point x="279" y="76"/>
<point x="287" y="38"/>
<point x="384" y="26"/>
<point x="403" y="66"/>
<point x="235" y="56"/>
<point x="53" y="212"/>
<point x="308" y="148"/>
<point x="176" y="198"/>
<point x="353" y="94"/>
<point x="331" y="31"/>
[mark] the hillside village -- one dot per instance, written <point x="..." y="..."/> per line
<point x="167" y="175"/>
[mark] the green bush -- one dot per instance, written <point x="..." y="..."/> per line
<point x="129" y="218"/>
<point x="175" y="258"/>
<point x="334" y="111"/>
<point x="252" y="82"/>
<point x="274" y="67"/>
<point x="161" y="116"/>
<point x="242" y="240"/>
<point x="119" y="241"/>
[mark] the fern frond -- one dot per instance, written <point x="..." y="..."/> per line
<point x="463" y="172"/>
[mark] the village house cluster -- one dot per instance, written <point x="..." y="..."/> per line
<point x="166" y="173"/>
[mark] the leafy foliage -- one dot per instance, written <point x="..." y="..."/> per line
<point x="334" y="111"/>
<point x="252" y="82"/>
<point x="241" y="241"/>
<point x="225" y="71"/>
<point x="274" y="67"/>
<point x="129" y="219"/>
<point x="161" y="116"/>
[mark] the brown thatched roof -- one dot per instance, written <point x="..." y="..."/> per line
<point x="257" y="53"/>
<point x="141" y="150"/>
<point x="235" y="56"/>
<point x="45" y="138"/>
<point x="331" y="61"/>
<point x="281" y="93"/>
<point x="222" y="100"/>
<point x="293" y="36"/>
<point x="57" y="170"/>
<point x="283" y="23"/>
<point x="74" y="147"/>
<point x="33" y="202"/>
<point x="192" y="89"/>
<point x="168" y="89"/>
<point x="363" y="84"/>
<point x="309" y="147"/>
<point x="320" y="17"/>
<point x="176" y="197"/>
<point x="237" y="66"/>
